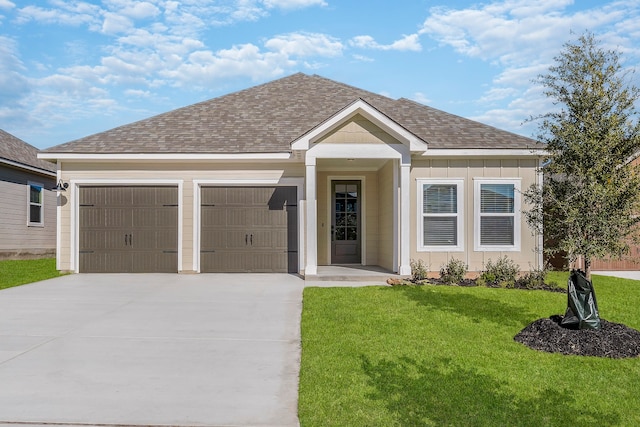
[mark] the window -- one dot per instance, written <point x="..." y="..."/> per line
<point x="35" y="210"/>
<point x="497" y="214"/>
<point x="440" y="223"/>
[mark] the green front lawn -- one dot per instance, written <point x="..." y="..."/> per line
<point x="20" y="272"/>
<point x="445" y="356"/>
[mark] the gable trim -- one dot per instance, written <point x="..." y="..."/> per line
<point x="370" y="113"/>
<point x="27" y="167"/>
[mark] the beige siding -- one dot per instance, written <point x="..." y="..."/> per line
<point x="358" y="130"/>
<point x="468" y="169"/>
<point x="17" y="238"/>
<point x="187" y="172"/>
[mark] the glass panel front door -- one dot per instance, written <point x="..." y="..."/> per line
<point x="345" y="222"/>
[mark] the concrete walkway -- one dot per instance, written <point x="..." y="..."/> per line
<point x="151" y="349"/>
<point x="634" y="275"/>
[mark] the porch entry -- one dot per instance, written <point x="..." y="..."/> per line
<point x="346" y="222"/>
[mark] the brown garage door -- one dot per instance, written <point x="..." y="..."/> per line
<point x="128" y="229"/>
<point x="249" y="229"/>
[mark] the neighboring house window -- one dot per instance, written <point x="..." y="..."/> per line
<point x="440" y="216"/>
<point x="36" y="204"/>
<point x="497" y="214"/>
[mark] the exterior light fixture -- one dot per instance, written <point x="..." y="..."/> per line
<point x="62" y="186"/>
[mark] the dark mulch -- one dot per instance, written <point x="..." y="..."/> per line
<point x="612" y="340"/>
<point x="473" y="282"/>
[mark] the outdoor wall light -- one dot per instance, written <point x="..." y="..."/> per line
<point x="62" y="186"/>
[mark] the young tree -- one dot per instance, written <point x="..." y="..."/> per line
<point x="589" y="202"/>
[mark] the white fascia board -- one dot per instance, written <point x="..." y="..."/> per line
<point x="27" y="167"/>
<point x="166" y="156"/>
<point x="484" y="152"/>
<point x="369" y="112"/>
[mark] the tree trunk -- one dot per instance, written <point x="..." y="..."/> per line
<point x="587" y="267"/>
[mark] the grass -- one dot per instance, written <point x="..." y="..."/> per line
<point x="19" y="272"/>
<point x="445" y="356"/>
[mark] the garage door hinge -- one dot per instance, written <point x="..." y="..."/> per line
<point x="85" y="205"/>
<point x="207" y="205"/>
<point x="170" y="205"/>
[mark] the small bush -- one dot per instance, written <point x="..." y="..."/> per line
<point x="453" y="271"/>
<point x="419" y="270"/>
<point x="503" y="272"/>
<point x="534" y="278"/>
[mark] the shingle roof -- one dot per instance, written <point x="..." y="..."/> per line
<point x="269" y="117"/>
<point x="16" y="150"/>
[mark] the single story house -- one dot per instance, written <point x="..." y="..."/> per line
<point x="290" y="175"/>
<point x="28" y="208"/>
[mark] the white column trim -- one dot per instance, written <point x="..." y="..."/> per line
<point x="311" y="266"/>
<point x="405" y="219"/>
<point x="396" y="211"/>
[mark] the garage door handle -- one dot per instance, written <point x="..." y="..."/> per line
<point x="246" y="239"/>
<point x="251" y="240"/>
<point x="125" y="240"/>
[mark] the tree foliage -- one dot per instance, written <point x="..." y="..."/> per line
<point x="590" y="199"/>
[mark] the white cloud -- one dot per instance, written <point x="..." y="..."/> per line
<point x="14" y="87"/>
<point x="305" y="44"/>
<point x="6" y="4"/>
<point x="203" y="67"/>
<point x="520" y="38"/>
<point x="293" y="4"/>
<point x="406" y="43"/>
<point x="115" y="23"/>
<point x="421" y="98"/>
<point x="73" y="14"/>
<point x="363" y="58"/>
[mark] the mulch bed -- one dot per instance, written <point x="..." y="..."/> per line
<point x="613" y="340"/>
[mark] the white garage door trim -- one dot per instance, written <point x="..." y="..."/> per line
<point x="283" y="182"/>
<point x="74" y="185"/>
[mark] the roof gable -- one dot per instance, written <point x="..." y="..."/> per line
<point x="360" y="107"/>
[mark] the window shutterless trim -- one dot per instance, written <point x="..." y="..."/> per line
<point x="516" y="215"/>
<point x="30" y="185"/>
<point x="459" y="183"/>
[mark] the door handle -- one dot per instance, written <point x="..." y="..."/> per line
<point x="130" y="239"/>
<point x="246" y="239"/>
<point x="125" y="240"/>
<point x="251" y="240"/>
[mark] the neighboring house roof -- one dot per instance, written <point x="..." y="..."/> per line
<point x="18" y="153"/>
<point x="269" y="117"/>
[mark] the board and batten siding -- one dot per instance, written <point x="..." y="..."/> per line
<point x="186" y="173"/>
<point x="17" y="238"/>
<point x="469" y="169"/>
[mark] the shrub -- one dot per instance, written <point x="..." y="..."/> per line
<point x="419" y="270"/>
<point x="534" y="278"/>
<point x="503" y="272"/>
<point x="453" y="271"/>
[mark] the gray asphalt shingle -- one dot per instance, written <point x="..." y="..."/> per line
<point x="16" y="150"/>
<point x="269" y="117"/>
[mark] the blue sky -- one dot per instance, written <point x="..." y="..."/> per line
<point x="69" y="69"/>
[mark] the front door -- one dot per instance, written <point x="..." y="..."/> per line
<point x="345" y="222"/>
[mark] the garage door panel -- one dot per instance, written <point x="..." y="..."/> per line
<point x="249" y="229"/>
<point x="128" y="229"/>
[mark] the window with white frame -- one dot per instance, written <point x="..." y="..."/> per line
<point x="440" y="211"/>
<point x="35" y="208"/>
<point x="497" y="214"/>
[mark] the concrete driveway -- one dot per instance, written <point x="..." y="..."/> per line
<point x="152" y="349"/>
